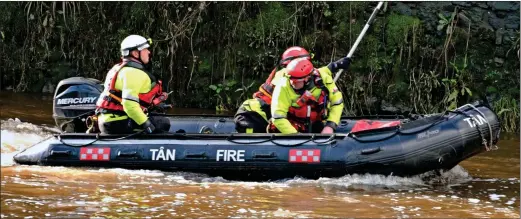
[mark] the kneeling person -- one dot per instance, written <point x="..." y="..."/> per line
<point x="253" y="115"/>
<point x="307" y="100"/>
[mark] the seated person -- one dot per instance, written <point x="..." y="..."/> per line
<point x="129" y="90"/>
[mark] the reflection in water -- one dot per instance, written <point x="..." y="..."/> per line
<point x="484" y="186"/>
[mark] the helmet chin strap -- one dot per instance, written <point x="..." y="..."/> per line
<point x="309" y="84"/>
<point x="147" y="65"/>
<point x="138" y="56"/>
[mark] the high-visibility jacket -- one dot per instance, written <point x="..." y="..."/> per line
<point x="129" y="88"/>
<point x="325" y="103"/>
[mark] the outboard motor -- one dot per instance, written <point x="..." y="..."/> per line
<point x="75" y="100"/>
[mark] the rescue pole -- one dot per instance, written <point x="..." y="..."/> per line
<point x="366" y="27"/>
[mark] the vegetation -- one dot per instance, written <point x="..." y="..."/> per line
<point x="218" y="53"/>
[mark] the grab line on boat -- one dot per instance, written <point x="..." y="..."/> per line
<point x="330" y="140"/>
<point x="98" y="139"/>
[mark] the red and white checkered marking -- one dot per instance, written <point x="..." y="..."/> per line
<point x="95" y="154"/>
<point x="304" y="156"/>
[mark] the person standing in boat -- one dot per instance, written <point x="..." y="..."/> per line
<point x="307" y="99"/>
<point x="129" y="89"/>
<point x="253" y="115"/>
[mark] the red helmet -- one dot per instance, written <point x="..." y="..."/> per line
<point x="300" y="68"/>
<point x="293" y="53"/>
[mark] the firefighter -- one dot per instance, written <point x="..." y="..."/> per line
<point x="130" y="89"/>
<point x="253" y="115"/>
<point x="307" y="100"/>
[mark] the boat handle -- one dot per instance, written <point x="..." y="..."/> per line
<point x="60" y="153"/>
<point x="265" y="156"/>
<point x="343" y="123"/>
<point x="370" y="151"/>
<point x="127" y="154"/>
<point x="201" y="155"/>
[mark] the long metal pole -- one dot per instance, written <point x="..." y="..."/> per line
<point x="366" y="27"/>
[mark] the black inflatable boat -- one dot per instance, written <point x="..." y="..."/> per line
<point x="379" y="145"/>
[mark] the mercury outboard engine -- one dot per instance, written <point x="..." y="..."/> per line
<point x="75" y="100"/>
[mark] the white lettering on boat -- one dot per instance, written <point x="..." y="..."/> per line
<point x="76" y="100"/>
<point x="475" y="119"/>
<point x="163" y="154"/>
<point x="230" y="155"/>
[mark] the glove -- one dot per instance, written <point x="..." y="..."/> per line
<point x="327" y="130"/>
<point x="162" y="97"/>
<point x="165" y="106"/>
<point x="342" y="63"/>
<point x="149" y="127"/>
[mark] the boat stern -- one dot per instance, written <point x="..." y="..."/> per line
<point x="33" y="155"/>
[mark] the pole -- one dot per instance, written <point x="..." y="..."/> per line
<point x="366" y="27"/>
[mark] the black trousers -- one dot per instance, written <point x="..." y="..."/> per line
<point x="128" y="126"/>
<point x="250" y="119"/>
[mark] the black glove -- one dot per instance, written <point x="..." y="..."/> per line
<point x="331" y="124"/>
<point x="342" y="63"/>
<point x="149" y="127"/>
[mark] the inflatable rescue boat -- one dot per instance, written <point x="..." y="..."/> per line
<point x="389" y="145"/>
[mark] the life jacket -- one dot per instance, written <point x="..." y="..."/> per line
<point x="110" y="99"/>
<point x="264" y="93"/>
<point x="310" y="109"/>
<point x="266" y="89"/>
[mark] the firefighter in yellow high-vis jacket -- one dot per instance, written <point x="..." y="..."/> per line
<point x="307" y="100"/>
<point x="129" y="90"/>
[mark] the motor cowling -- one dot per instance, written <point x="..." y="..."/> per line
<point x="75" y="100"/>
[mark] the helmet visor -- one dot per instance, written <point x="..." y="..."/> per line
<point x="296" y="80"/>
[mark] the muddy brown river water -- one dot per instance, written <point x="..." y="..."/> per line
<point x="484" y="186"/>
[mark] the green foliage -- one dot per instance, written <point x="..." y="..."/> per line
<point x="399" y="27"/>
<point x="421" y="87"/>
<point x="271" y="24"/>
<point x="229" y="95"/>
<point x="457" y="88"/>
<point x="445" y="22"/>
<point x="507" y="108"/>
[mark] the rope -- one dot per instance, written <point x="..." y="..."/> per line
<point x="99" y="139"/>
<point x="491" y="144"/>
<point x="441" y="118"/>
<point x="330" y="140"/>
<point x="488" y="147"/>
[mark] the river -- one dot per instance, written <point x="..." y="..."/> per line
<point x="484" y="186"/>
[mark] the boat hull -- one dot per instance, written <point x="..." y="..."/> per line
<point x="432" y="143"/>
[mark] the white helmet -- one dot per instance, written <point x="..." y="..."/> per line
<point x="134" y="42"/>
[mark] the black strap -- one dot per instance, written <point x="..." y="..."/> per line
<point x="292" y="58"/>
<point x="137" y="65"/>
